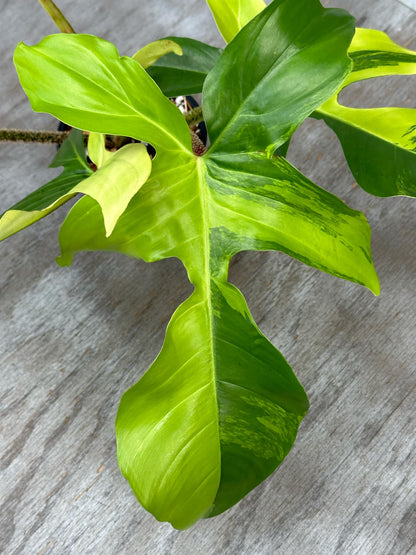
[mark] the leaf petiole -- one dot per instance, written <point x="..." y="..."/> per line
<point x="58" y="17"/>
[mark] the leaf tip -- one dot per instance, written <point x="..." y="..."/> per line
<point x="176" y="49"/>
<point x="17" y="52"/>
<point x="376" y="288"/>
<point x="20" y="45"/>
<point x="373" y="283"/>
<point x="64" y="260"/>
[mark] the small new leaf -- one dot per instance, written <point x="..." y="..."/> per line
<point x="96" y="149"/>
<point x="115" y="183"/>
<point x="150" y="53"/>
<point x="231" y="15"/>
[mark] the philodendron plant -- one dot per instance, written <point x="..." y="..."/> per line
<point x="219" y="409"/>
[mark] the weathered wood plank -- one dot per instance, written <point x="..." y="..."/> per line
<point x="73" y="340"/>
<point x="410" y="4"/>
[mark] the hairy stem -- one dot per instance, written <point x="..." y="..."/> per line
<point x="198" y="147"/>
<point x="29" y="136"/>
<point x="58" y="17"/>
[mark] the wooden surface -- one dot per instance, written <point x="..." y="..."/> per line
<point x="409" y="3"/>
<point x="73" y="340"/>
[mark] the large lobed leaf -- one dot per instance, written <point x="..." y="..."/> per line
<point x="220" y="407"/>
<point x="380" y="143"/>
<point x="268" y="88"/>
<point x="170" y="439"/>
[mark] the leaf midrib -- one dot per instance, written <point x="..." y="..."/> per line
<point x="206" y="277"/>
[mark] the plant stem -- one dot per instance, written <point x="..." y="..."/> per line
<point x="198" y="147"/>
<point x="58" y="17"/>
<point x="194" y="116"/>
<point x="29" y="136"/>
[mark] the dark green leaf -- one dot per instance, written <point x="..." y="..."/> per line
<point x="182" y="75"/>
<point x="379" y="143"/>
<point x="269" y="95"/>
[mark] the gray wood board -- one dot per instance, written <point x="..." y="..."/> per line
<point x="410" y="4"/>
<point x="73" y="340"/>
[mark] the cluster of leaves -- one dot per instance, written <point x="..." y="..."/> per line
<point x="220" y="407"/>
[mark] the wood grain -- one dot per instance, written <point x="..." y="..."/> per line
<point x="410" y="4"/>
<point x="73" y="340"/>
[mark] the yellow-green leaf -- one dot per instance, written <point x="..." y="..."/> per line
<point x="150" y="53"/>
